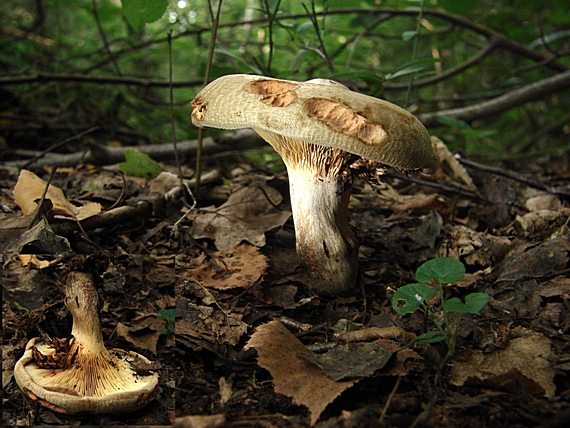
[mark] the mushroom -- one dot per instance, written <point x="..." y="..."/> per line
<point x="326" y="135"/>
<point x="81" y="375"/>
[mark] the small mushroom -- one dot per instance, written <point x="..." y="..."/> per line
<point x="326" y="135"/>
<point x="81" y="375"/>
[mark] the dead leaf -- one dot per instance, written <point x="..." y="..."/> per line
<point x="40" y="239"/>
<point x="206" y="323"/>
<point x="474" y="248"/>
<point x="31" y="259"/>
<point x="529" y="353"/>
<point x="245" y="216"/>
<point x="351" y="360"/>
<point x="535" y="261"/>
<point x="539" y="221"/>
<point x="243" y="266"/>
<point x="145" y="341"/>
<point x="294" y="369"/>
<point x="455" y="173"/>
<point x="30" y="187"/>
<point x="226" y="389"/>
<point x="201" y="421"/>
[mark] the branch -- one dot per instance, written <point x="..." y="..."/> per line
<point x="113" y="80"/>
<point x="104" y="155"/>
<point x="502" y="103"/>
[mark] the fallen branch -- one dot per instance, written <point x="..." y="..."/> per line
<point x="104" y="155"/>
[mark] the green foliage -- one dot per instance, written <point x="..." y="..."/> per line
<point x="365" y="46"/>
<point x="443" y="269"/>
<point x="411" y="297"/>
<point x="140" y="165"/>
<point x="168" y="315"/>
<point x="142" y="12"/>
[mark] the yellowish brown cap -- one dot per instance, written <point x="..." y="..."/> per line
<point x="321" y="112"/>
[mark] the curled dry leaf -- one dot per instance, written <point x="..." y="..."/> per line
<point x="294" y="368"/>
<point x="30" y="187"/>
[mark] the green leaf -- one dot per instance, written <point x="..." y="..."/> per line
<point x="474" y="302"/>
<point x="443" y="269"/>
<point x="431" y="337"/>
<point x="166" y="314"/>
<point x="140" y="165"/>
<point x="462" y="7"/>
<point x="249" y="67"/>
<point x="409" y="35"/>
<point x="411" y="67"/>
<point x="452" y="122"/>
<point x="141" y="12"/>
<point x="409" y="298"/>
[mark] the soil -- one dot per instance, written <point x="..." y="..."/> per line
<point x="234" y="285"/>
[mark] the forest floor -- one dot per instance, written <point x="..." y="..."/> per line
<point x="253" y="346"/>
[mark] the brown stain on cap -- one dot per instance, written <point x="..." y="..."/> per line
<point x="275" y="93"/>
<point x="343" y="119"/>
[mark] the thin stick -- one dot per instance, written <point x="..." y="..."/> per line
<point x="215" y="25"/>
<point x="42" y="199"/>
<point x="171" y="108"/>
<point x="414" y="54"/>
<point x="389" y="400"/>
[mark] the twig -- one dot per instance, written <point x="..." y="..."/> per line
<point x="104" y="37"/>
<point x="515" y="176"/>
<point x="270" y="21"/>
<point x="214" y="32"/>
<point x="40" y="203"/>
<point x="389" y="399"/>
<point x="502" y="103"/>
<point x="414" y="53"/>
<point x="58" y="145"/>
<point x="106" y="155"/>
<point x="322" y="50"/>
<point x="102" y="80"/>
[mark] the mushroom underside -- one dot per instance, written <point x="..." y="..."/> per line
<point x="93" y="384"/>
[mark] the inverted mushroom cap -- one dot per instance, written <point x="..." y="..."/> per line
<point x="82" y="376"/>
<point x="321" y="112"/>
<point x="114" y="383"/>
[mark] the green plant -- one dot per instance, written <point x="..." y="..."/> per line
<point x="168" y="315"/>
<point x="431" y="276"/>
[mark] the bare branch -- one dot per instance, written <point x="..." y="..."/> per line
<point x="104" y="155"/>
<point x="502" y="103"/>
<point x="109" y="80"/>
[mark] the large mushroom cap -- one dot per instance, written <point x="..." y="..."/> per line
<point x="82" y="376"/>
<point x="320" y="112"/>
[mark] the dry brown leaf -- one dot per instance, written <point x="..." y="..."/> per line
<point x="209" y="323"/>
<point x="145" y="341"/>
<point x="474" y="248"/>
<point x="294" y="369"/>
<point x="455" y="173"/>
<point x="243" y="266"/>
<point x="30" y="187"/>
<point x="530" y="354"/>
<point x="201" y="421"/>
<point x="536" y="222"/>
<point x="31" y="259"/>
<point x="245" y="216"/>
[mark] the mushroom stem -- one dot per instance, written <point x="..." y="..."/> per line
<point x="320" y="184"/>
<point x="83" y="302"/>
<point x="325" y="243"/>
